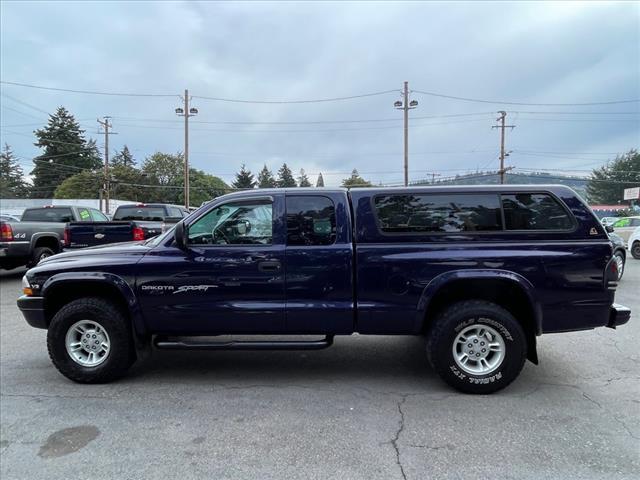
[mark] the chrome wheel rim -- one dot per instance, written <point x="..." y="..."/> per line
<point x="619" y="264"/>
<point x="478" y="350"/>
<point x="87" y="343"/>
<point x="43" y="256"/>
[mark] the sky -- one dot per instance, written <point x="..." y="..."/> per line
<point x="533" y="53"/>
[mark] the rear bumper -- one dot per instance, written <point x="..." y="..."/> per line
<point x="14" y="254"/>
<point x="618" y="315"/>
<point x="32" y="309"/>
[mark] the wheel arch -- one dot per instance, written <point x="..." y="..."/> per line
<point x="63" y="288"/>
<point x="507" y="289"/>
<point x="46" y="239"/>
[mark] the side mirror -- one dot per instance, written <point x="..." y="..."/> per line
<point x="179" y="236"/>
<point x="609" y="229"/>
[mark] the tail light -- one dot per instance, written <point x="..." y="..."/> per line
<point x="138" y="233"/>
<point x="66" y="239"/>
<point x="6" y="233"/>
<point x="611" y="274"/>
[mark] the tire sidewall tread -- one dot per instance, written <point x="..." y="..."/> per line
<point x="451" y="321"/>
<point x="121" y="353"/>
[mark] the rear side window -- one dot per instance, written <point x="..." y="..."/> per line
<point x="534" y="211"/>
<point x="450" y="213"/>
<point x="98" y="216"/>
<point x="311" y="220"/>
<point x="174" y="212"/>
<point x="84" y="214"/>
<point x="150" y="214"/>
<point x="48" y="215"/>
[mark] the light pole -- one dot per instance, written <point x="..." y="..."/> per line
<point x="186" y="112"/>
<point x="406" y="105"/>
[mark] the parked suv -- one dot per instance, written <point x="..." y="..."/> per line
<point x="480" y="271"/>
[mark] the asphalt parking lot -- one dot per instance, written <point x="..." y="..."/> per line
<point x="367" y="408"/>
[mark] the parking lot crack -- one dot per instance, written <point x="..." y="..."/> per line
<point x="394" y="441"/>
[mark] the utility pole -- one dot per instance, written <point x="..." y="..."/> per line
<point x="106" y="125"/>
<point x="186" y="112"/>
<point x="503" y="154"/>
<point x="406" y="105"/>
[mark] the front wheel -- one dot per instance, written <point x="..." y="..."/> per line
<point x="476" y="346"/>
<point x="90" y="341"/>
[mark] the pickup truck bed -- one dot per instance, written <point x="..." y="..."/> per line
<point x="481" y="271"/>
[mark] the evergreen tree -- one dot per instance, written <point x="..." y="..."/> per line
<point x="320" y="181"/>
<point x="123" y="157"/>
<point x="265" y="178"/>
<point x="285" y="177"/>
<point x="303" y="180"/>
<point x="66" y="153"/>
<point x="607" y="183"/>
<point x="244" y="179"/>
<point x="12" y="183"/>
<point x="355" y="180"/>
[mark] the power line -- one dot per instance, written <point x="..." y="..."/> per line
<point x="315" y="100"/>
<point x="502" y="102"/>
<point x="88" y="92"/>
<point x="24" y="103"/>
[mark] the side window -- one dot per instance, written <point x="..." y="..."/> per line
<point x="98" y="216"/>
<point x="311" y="220"/>
<point x="84" y="215"/>
<point x="234" y="224"/>
<point x="534" y="211"/>
<point x="174" y="212"/>
<point x="425" y="213"/>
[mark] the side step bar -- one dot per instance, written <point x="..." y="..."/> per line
<point x="176" y="343"/>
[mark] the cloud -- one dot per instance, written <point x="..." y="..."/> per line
<point x="529" y="52"/>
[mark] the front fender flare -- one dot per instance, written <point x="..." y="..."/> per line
<point x="111" y="279"/>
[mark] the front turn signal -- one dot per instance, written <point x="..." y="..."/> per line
<point x="26" y="287"/>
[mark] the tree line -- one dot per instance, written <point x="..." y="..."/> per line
<point x="70" y="166"/>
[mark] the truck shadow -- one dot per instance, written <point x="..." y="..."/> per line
<point x="395" y="359"/>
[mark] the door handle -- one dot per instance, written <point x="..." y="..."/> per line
<point x="269" y="266"/>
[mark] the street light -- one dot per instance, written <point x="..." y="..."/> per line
<point x="181" y="112"/>
<point x="406" y="105"/>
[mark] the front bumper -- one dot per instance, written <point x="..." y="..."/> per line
<point x="32" y="309"/>
<point x="618" y="315"/>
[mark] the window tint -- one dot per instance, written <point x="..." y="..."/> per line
<point x="151" y="214"/>
<point x="234" y="224"/>
<point x="48" y="215"/>
<point x="311" y="220"/>
<point x="534" y="211"/>
<point x="423" y="213"/>
<point x="98" y="216"/>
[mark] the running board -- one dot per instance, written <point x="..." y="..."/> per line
<point x="168" y="343"/>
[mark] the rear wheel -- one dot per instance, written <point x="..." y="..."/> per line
<point x="90" y="341"/>
<point x="39" y="254"/>
<point x="476" y="346"/>
<point x="635" y="250"/>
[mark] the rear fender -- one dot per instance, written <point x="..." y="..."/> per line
<point x="443" y="279"/>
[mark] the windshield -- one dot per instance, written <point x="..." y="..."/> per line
<point x="150" y="214"/>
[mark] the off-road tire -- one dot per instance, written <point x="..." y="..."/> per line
<point x="121" y="353"/>
<point x="38" y="253"/>
<point x="452" y="320"/>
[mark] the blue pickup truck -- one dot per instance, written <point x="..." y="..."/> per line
<point x="480" y="271"/>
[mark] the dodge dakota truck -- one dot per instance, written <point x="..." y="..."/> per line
<point x="480" y="271"/>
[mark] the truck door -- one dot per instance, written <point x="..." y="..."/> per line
<point x="319" y="254"/>
<point x="229" y="279"/>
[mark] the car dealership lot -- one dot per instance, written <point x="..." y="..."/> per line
<point x="368" y="407"/>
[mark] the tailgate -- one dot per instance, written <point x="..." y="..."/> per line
<point x="88" y="234"/>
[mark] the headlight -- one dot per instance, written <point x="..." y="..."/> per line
<point x="26" y="287"/>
